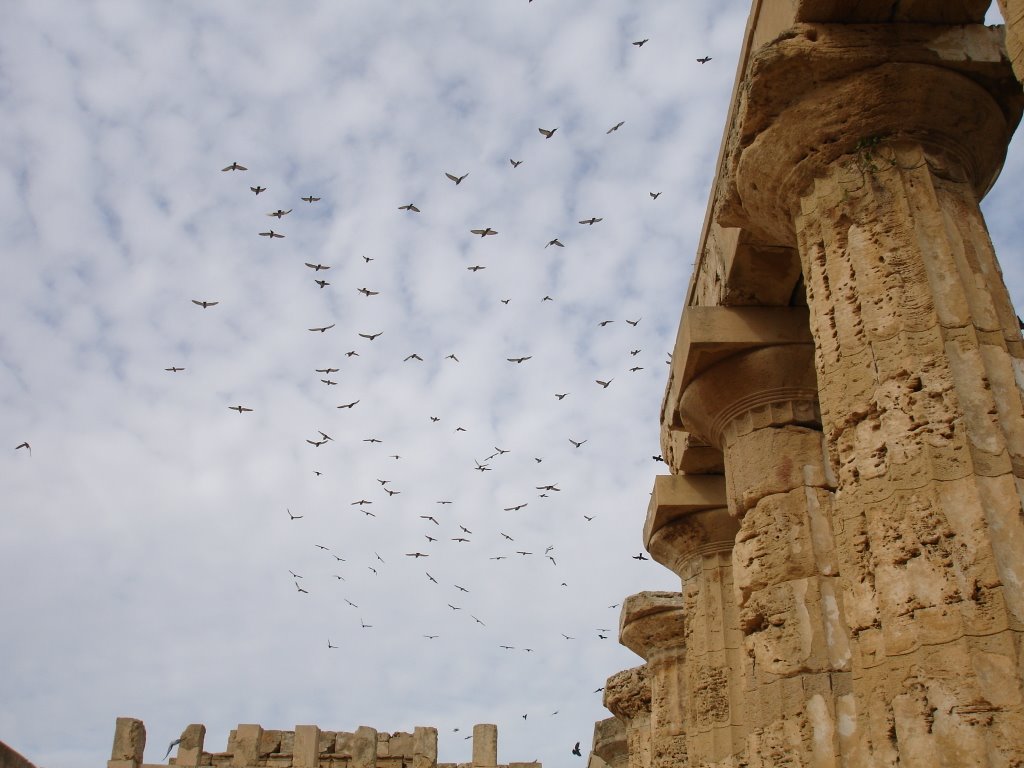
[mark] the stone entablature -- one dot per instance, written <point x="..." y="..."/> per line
<point x="307" y="746"/>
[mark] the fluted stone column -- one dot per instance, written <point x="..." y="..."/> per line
<point x="874" y="169"/>
<point x="689" y="530"/>
<point x="760" y="408"/>
<point x="627" y="695"/>
<point x="651" y="625"/>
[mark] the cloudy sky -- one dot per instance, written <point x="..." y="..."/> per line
<point x="149" y="544"/>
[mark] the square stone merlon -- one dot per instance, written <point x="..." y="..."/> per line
<point x="129" y="740"/>
<point x="485" y="745"/>
<point x="708" y="335"/>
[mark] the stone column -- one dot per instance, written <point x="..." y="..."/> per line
<point x="760" y="408"/>
<point x="627" y="695"/>
<point x="129" y="743"/>
<point x="651" y="625"/>
<point x="689" y="530"/>
<point x="609" y="745"/>
<point x="874" y="169"/>
<point x="485" y="745"/>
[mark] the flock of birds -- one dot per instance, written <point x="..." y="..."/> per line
<point x="437" y="529"/>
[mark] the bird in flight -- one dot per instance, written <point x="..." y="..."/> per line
<point x="604" y="383"/>
<point x="640" y="43"/>
<point x="316" y="267"/>
<point x="603" y="323"/>
<point x="518" y="359"/>
<point x="576" y="750"/>
<point x="205" y="304"/>
<point x="271" y="234"/>
<point x="555" y="241"/>
<point x="616" y="126"/>
<point x="367" y="292"/>
<point x="456" y="179"/>
<point x="413" y="356"/>
<point x="322" y="283"/>
<point x="311" y="199"/>
<point x="634" y="322"/>
<point x="431" y="637"/>
<point x="546" y="133"/>
<point x="279" y="213"/>
<point x="360" y="503"/>
<point x="515" y="163"/>
<point x="704" y="59"/>
<point x="654" y="195"/>
<point x="323" y="328"/>
<point x="636" y="368"/>
<point x="240" y="408"/>
<point x="173" y="369"/>
<point x="409" y="207"/>
<point x="477" y="620"/>
<point x="592" y="220"/>
<point x="431" y="577"/>
<point x="635" y="352"/>
<point x="481" y="467"/>
<point x="431" y="518"/>
<point x="461" y="589"/>
<point x="371" y="336"/>
<point x="444" y="501"/>
<point x="303" y="591"/>
<point x="293" y="517"/>
<point x="364" y="625"/>
<point x="315" y="443"/>
<point x="549" y="487"/>
<point x="235" y="167"/>
<point x="329" y="643"/>
<point x="415" y="554"/>
<point x="475" y="268"/>
<point x="639" y="557"/>
<point x="547" y="298"/>
<point x="461" y="540"/>
<point x="24" y="445"/>
<point x="561" y="396"/>
<point x="578" y="444"/>
<point x="506" y="536"/>
<point x="349" y="405"/>
<point x="588" y="518"/>
<point x="483" y="232"/>
<point x="516" y="508"/>
<point x="257" y="189"/>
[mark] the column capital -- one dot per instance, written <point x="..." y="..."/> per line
<point x="824" y="91"/>
<point x="651" y="622"/>
<point x="688" y="515"/>
<point x="627" y="694"/>
<point x="766" y="386"/>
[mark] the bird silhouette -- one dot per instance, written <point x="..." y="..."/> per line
<point x="616" y="126"/>
<point x="592" y="220"/>
<point x="640" y="43"/>
<point x="578" y="444"/>
<point x="323" y="328"/>
<point x="515" y="163"/>
<point x="640" y="557"/>
<point x="409" y="207"/>
<point x="311" y="199"/>
<point x="205" y="304"/>
<point x="654" y="195"/>
<point x="271" y="234"/>
<point x="24" y="445"/>
<point x="240" y="408"/>
<point x="171" y="746"/>
<point x="604" y="383"/>
<point x="634" y="323"/>
<point x="235" y="167"/>
<point x="456" y="179"/>
<point x="576" y="750"/>
<point x="371" y="336"/>
<point x="348" y="405"/>
<point x="475" y="268"/>
<point x="555" y="241"/>
<point x="519" y="359"/>
<point x="483" y="232"/>
<point x="413" y="356"/>
<point x="367" y="292"/>
<point x="547" y="134"/>
<point x="704" y="59"/>
<point x="257" y="189"/>
<point x="293" y="517"/>
<point x="173" y="369"/>
<point x="322" y="283"/>
<point x="279" y="213"/>
<point x="316" y="267"/>
<point x="562" y="396"/>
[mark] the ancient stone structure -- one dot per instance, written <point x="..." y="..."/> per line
<point x="250" y="746"/>
<point x="844" y="418"/>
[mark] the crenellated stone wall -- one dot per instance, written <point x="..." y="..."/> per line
<point x="844" y="416"/>
<point x="307" y="746"/>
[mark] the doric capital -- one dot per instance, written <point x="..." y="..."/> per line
<point x="652" y="622"/>
<point x="770" y="386"/>
<point x="687" y="516"/>
<point x="824" y="91"/>
<point x="610" y="742"/>
<point x="627" y="695"/>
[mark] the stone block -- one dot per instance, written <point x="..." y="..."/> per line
<point x="485" y="745"/>
<point x="190" y="748"/>
<point x="306" y="751"/>
<point x="244" y="744"/>
<point x="424" y="747"/>
<point x="401" y="744"/>
<point x="129" y="740"/>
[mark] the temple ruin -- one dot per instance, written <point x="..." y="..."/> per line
<point x="843" y="420"/>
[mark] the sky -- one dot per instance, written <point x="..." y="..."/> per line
<point x="167" y="558"/>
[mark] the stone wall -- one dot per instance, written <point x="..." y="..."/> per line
<point x="307" y="746"/>
<point x="844" y="418"/>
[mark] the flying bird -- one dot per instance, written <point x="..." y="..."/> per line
<point x="604" y="383"/>
<point x="367" y="292"/>
<point x="271" y="234"/>
<point x="546" y="133"/>
<point x="516" y="508"/>
<point x="293" y="517"/>
<point x="515" y="163"/>
<point x="329" y="643"/>
<point x="409" y="207"/>
<point x="371" y="336"/>
<point x="640" y="43"/>
<point x="654" y="195"/>
<point x="415" y="554"/>
<point x="555" y="241"/>
<point x="303" y="591"/>
<point x="371" y="440"/>
<point x="257" y="189"/>
<point x="456" y="179"/>
<point x="451" y="357"/>
<point x="636" y="368"/>
<point x="235" y="167"/>
<point x="603" y="323"/>
<point x="431" y="577"/>
<point x="561" y="396"/>
<point x="205" y="304"/>
<point x="279" y="213"/>
<point x="634" y="322"/>
<point x="592" y="220"/>
<point x="348" y="405"/>
<point x="413" y="356"/>
<point x="475" y="268"/>
<point x="316" y="267"/>
<point x="240" y="408"/>
<point x="578" y="444"/>
<point x="616" y="126"/>
<point x="704" y="59"/>
<point x="173" y="744"/>
<point x="639" y="557"/>
<point x="483" y="232"/>
<point x="173" y="369"/>
<point x="431" y="518"/>
<point x="24" y="445"/>
<point x="323" y="328"/>
<point x="519" y="359"/>
<point x="311" y="199"/>
<point x="322" y="283"/>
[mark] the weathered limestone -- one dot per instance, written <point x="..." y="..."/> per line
<point x="850" y="360"/>
<point x="251" y="746"/>
<point x="627" y="695"/>
<point x="609" y="745"/>
<point x="1013" y="15"/>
